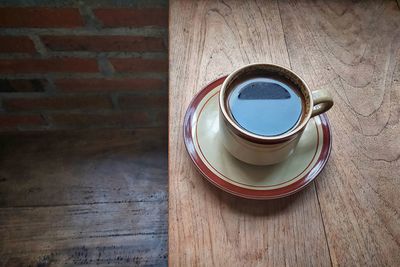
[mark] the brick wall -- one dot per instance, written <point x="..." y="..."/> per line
<point x="83" y="64"/>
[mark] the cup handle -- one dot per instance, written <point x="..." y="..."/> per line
<point x="322" y="102"/>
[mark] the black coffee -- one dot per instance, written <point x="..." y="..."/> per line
<point x="265" y="106"/>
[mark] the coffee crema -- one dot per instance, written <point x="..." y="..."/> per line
<point x="265" y="106"/>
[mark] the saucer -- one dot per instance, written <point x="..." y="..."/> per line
<point x="218" y="166"/>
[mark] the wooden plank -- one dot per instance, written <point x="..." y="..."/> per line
<point x="353" y="50"/>
<point x="83" y="168"/>
<point x="83" y="198"/>
<point x="113" y="234"/>
<point x="206" y="226"/>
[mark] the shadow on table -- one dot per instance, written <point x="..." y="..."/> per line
<point x="262" y="207"/>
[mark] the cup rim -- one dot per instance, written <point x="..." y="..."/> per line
<point x="255" y="137"/>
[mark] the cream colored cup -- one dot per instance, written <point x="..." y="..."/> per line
<point x="265" y="150"/>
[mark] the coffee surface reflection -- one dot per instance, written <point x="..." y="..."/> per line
<point x="265" y="106"/>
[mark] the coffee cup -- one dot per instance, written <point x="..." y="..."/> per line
<point x="263" y="111"/>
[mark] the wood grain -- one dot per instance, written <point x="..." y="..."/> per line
<point x="353" y="50"/>
<point x="207" y="227"/>
<point x="83" y="198"/>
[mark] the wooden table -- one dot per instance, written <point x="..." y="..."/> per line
<point x="351" y="214"/>
<point x="83" y="198"/>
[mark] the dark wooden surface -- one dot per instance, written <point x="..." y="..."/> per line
<point x="83" y="198"/>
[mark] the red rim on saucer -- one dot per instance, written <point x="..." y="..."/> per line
<point x="291" y="185"/>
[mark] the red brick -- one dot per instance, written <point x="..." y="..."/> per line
<point x="106" y="85"/>
<point x="23" y="44"/>
<point x="40" y="17"/>
<point x="57" y="103"/>
<point x="103" y="43"/>
<point x="132" y="17"/>
<point x="139" y="119"/>
<point x="11" y="120"/>
<point x="48" y="65"/>
<point x="135" y="101"/>
<point x="22" y="85"/>
<point x="139" y="64"/>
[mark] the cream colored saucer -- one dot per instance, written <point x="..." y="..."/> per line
<point x="256" y="182"/>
